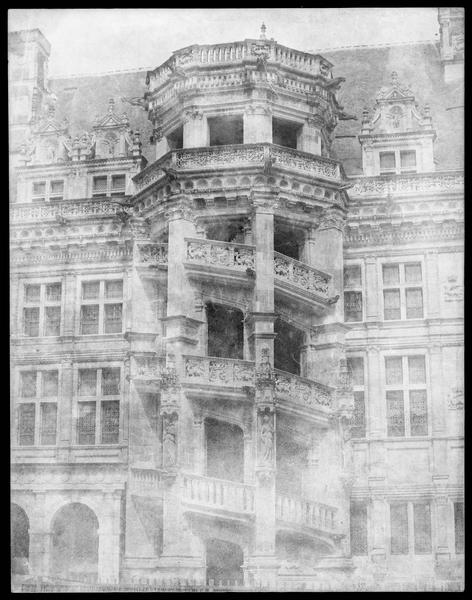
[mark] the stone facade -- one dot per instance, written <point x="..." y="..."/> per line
<point x="226" y="353"/>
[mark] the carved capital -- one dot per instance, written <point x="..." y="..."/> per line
<point x="332" y="218"/>
<point x="192" y="114"/>
<point x="259" y="109"/>
<point x="180" y="210"/>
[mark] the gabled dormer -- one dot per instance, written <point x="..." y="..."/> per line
<point x="399" y="137"/>
<point x="112" y="136"/>
<point x="48" y="141"/>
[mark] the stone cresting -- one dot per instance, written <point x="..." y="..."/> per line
<point x="215" y="253"/>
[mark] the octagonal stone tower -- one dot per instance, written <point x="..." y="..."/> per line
<point x="240" y="230"/>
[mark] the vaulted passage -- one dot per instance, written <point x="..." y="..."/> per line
<point x="225" y="331"/>
<point x="19" y="540"/>
<point x="225" y="130"/>
<point x="224" y="450"/>
<point x="285" y="133"/>
<point x="287" y="346"/>
<point x="75" y="543"/>
<point x="224" y="561"/>
<point x="288" y="240"/>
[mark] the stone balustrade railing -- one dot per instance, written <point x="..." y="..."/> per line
<point x="145" y="480"/>
<point x="238" y="155"/>
<point x="148" y="367"/>
<point x="218" y="493"/>
<point x="445" y="181"/>
<point x="301" y="275"/>
<point x="72" y="208"/>
<point x="301" y="391"/>
<point x="153" y="254"/>
<point x="218" y="371"/>
<point x="234" y="52"/>
<point x="306" y="513"/>
<point x="220" y="254"/>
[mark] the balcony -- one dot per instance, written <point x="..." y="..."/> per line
<point x="301" y="393"/>
<point x="220" y="372"/>
<point x="214" y="159"/>
<point x="145" y="482"/>
<point x="293" y="279"/>
<point x="218" y="497"/>
<point x="297" y="513"/>
<point x="214" y="259"/>
<point x="414" y="184"/>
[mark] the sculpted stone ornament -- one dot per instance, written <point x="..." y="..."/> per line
<point x="169" y="441"/>
<point x="452" y="290"/>
<point x="455" y="398"/>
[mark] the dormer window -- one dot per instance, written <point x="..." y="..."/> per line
<point x="399" y="161"/>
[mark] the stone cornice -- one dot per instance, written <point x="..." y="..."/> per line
<point x="25" y="258"/>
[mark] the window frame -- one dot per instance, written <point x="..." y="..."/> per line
<point x="397" y="169"/>
<point x="355" y="288"/>
<point x="101" y="301"/>
<point x="361" y="388"/>
<point x="48" y="195"/>
<point x="411" y="535"/>
<point x="406" y="387"/>
<point x="98" y="399"/>
<point x="38" y="400"/>
<point x="402" y="287"/>
<point x="109" y="192"/>
<point x="42" y="304"/>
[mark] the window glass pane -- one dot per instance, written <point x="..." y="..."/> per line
<point x="53" y="292"/>
<point x="418" y="413"/>
<point x="118" y="183"/>
<point x="48" y="422"/>
<point x="39" y="188"/>
<point x="387" y="161"/>
<point x="356" y="367"/>
<point x="99" y="186"/>
<point x="86" y="423"/>
<point x="416" y="369"/>
<point x="352" y="276"/>
<point x="353" y="306"/>
<point x="395" y="414"/>
<point x="393" y="370"/>
<point x="414" y="303"/>
<point x="50" y="383"/>
<point x="90" y="290"/>
<point x="459" y="526"/>
<point x="31" y="321"/>
<point x="358" y="528"/>
<point x="111" y="381"/>
<point x="413" y="273"/>
<point x="408" y="159"/>
<point x="390" y="274"/>
<point x="89" y="319"/>
<point x="399" y="528"/>
<point x="392" y="305"/>
<point x="26" y="416"/>
<point x="114" y="289"/>
<point x="32" y="293"/>
<point x="52" y="320"/>
<point x="422" y="528"/>
<point x="110" y="422"/>
<point x="113" y="323"/>
<point x="358" y="424"/>
<point x="57" y="188"/>
<point x="87" y="382"/>
<point x="28" y="384"/>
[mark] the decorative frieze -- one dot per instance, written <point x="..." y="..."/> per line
<point x="408" y="184"/>
<point x="31" y="213"/>
<point x="218" y="371"/>
<point x="98" y="255"/>
<point x="301" y="391"/>
<point x="153" y="254"/>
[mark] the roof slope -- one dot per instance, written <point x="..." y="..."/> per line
<point x="366" y="70"/>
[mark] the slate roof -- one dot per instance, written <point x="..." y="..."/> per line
<point x="366" y="69"/>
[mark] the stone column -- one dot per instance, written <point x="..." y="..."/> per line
<point x="443" y="515"/>
<point x="377" y="425"/>
<point x="40" y="542"/>
<point x="196" y="133"/>
<point x="66" y="433"/>
<point x="309" y="138"/>
<point x="431" y="278"/>
<point x="257" y="124"/>
<point x="109" y="540"/>
<point x="378" y="515"/>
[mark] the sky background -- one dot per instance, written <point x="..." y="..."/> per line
<point x="102" y="40"/>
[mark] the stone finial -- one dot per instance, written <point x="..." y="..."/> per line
<point x="111" y="105"/>
<point x="263" y="32"/>
<point x="394" y="78"/>
<point x="365" y="115"/>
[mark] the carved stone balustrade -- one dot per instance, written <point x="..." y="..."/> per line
<point x="220" y="254"/>
<point x="436" y="182"/>
<point x="26" y="213"/>
<point x="210" y="494"/>
<point x="153" y="254"/>
<point x="302" y="392"/>
<point x="306" y="513"/>
<point x="149" y="368"/>
<point x="304" y="277"/>
<point x="240" y="156"/>
<point x="226" y="372"/>
<point x="146" y="482"/>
